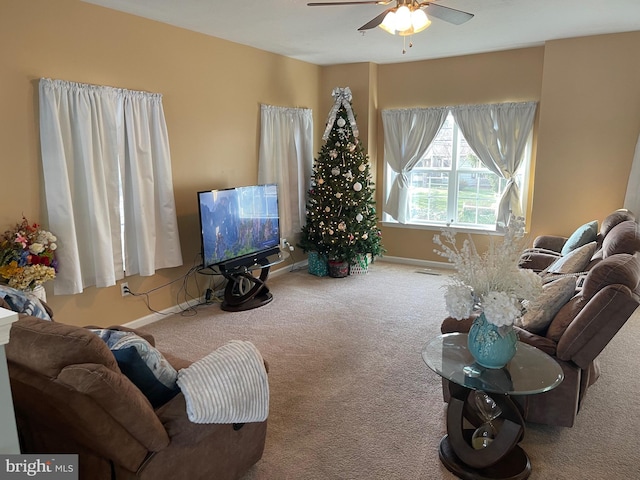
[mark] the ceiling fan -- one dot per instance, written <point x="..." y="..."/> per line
<point x="407" y="17"/>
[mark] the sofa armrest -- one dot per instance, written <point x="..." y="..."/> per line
<point x="550" y="242"/>
<point x="176" y="362"/>
<point x="596" y="324"/>
<point x="452" y="325"/>
<point x="537" y="259"/>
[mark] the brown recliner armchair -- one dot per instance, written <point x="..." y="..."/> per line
<point x="71" y="397"/>
<point x="575" y="337"/>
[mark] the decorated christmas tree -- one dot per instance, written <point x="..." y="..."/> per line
<point x="341" y="221"/>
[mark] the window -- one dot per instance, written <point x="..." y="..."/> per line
<point x="451" y="185"/>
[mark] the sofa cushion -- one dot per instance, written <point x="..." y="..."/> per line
<point x="136" y="370"/>
<point x="584" y="234"/>
<point x="623" y="238"/>
<point x="553" y="298"/>
<point x="573" y="262"/>
<point x="564" y="317"/>
<point x="545" y="344"/>
<point x="622" y="269"/>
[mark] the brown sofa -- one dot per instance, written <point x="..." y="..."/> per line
<point x="608" y="295"/>
<point x="71" y="397"/>
<point x="547" y="249"/>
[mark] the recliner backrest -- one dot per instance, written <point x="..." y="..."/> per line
<point x="623" y="238"/>
<point x="614" y="219"/>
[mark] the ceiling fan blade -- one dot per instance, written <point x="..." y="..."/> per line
<point x="375" y="22"/>
<point x="331" y="4"/>
<point x="451" y="15"/>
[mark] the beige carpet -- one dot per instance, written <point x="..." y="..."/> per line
<point x="352" y="399"/>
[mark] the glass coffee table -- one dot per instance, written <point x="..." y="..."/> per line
<point x="484" y="425"/>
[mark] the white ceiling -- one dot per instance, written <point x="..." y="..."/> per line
<point x="329" y="35"/>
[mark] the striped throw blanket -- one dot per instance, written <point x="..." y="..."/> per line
<point x="229" y="385"/>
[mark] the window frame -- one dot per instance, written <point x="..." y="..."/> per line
<point x="523" y="177"/>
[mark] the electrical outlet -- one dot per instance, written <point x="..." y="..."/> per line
<point x="124" y="289"/>
<point x="285" y="245"/>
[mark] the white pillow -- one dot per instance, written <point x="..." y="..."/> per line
<point x="575" y="261"/>
<point x="554" y="296"/>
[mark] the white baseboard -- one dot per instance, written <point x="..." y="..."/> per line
<point x="155" y="316"/>
<point x="416" y="262"/>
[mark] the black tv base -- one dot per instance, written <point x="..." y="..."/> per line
<point x="244" y="291"/>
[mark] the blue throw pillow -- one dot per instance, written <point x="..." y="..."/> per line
<point x="587" y="233"/>
<point x="133" y="366"/>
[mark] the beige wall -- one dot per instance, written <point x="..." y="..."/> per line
<point x="589" y="125"/>
<point x="212" y="94"/>
<point x="586" y="127"/>
<point x="509" y="76"/>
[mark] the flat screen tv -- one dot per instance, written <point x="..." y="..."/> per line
<point x="239" y="226"/>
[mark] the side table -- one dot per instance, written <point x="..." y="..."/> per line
<point x="531" y="371"/>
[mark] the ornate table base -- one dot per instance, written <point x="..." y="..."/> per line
<point x="515" y="466"/>
<point x="503" y="459"/>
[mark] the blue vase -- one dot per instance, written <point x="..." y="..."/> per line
<point x="490" y="345"/>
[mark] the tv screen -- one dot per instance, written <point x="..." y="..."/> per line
<point x="239" y="225"/>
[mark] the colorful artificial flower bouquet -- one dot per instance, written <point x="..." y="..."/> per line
<point x="27" y="256"/>
<point x="492" y="282"/>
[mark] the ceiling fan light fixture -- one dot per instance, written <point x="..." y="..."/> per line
<point x="419" y="20"/>
<point x="389" y="23"/>
<point x="405" y="21"/>
<point x="403" y="18"/>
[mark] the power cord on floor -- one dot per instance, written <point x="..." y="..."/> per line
<point x="192" y="302"/>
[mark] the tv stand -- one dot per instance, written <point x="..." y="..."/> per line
<point x="244" y="291"/>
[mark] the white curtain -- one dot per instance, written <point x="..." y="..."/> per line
<point x="498" y="135"/>
<point x="632" y="196"/>
<point x="88" y="159"/>
<point x="408" y="133"/>
<point x="152" y="240"/>
<point x="286" y="158"/>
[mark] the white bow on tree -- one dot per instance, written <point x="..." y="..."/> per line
<point x="342" y="97"/>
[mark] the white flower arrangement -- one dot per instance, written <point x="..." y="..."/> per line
<point x="491" y="282"/>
